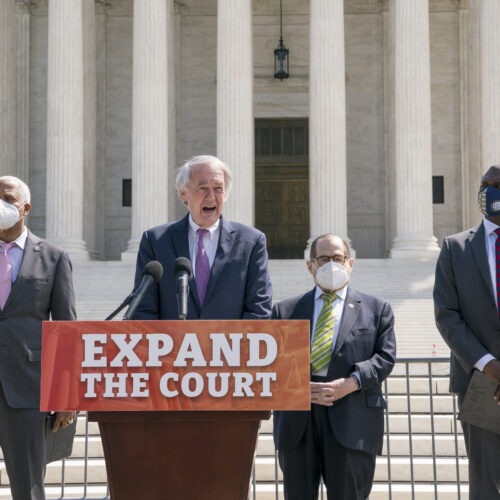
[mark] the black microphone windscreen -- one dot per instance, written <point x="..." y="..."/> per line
<point x="183" y="264"/>
<point x="154" y="269"/>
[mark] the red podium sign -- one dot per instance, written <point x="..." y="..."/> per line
<point x="175" y="365"/>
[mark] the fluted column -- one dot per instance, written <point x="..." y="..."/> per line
<point x="490" y="75"/>
<point x="149" y="117"/>
<point x="412" y="130"/>
<point x="65" y="132"/>
<point x="8" y="97"/>
<point x="23" y="88"/>
<point x="235" y="126"/>
<point x="327" y="119"/>
<point x="89" y="126"/>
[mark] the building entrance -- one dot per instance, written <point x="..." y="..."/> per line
<point x="282" y="186"/>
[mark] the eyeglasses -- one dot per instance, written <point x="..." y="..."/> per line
<point x="323" y="259"/>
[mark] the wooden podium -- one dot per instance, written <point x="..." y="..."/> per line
<point x="179" y="455"/>
<point x="179" y="403"/>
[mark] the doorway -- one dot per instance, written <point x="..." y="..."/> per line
<point x="282" y="185"/>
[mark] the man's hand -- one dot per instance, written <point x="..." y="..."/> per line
<point x="326" y="393"/>
<point x="492" y="369"/>
<point x="63" y="419"/>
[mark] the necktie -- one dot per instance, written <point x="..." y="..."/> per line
<point x="5" y="273"/>
<point x="202" y="268"/>
<point x="321" y="349"/>
<point x="497" y="255"/>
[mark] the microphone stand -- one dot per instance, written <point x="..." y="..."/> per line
<point x="124" y="304"/>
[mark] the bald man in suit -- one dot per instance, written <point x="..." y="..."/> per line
<point x="466" y="301"/>
<point x="39" y="287"/>
<point x="237" y="283"/>
<point x="352" y="352"/>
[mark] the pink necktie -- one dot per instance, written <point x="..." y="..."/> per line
<point x="5" y="273"/>
<point x="202" y="267"/>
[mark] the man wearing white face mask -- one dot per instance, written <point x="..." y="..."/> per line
<point x="353" y="350"/>
<point x="35" y="284"/>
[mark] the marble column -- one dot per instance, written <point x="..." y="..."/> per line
<point x="235" y="124"/>
<point x="412" y="131"/>
<point x="89" y="127"/>
<point x="8" y="94"/>
<point x="489" y="36"/>
<point x="327" y="119"/>
<point x="65" y="130"/>
<point x="23" y="88"/>
<point x="150" y="141"/>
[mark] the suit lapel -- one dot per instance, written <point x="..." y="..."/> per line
<point x="305" y="308"/>
<point x="226" y="241"/>
<point x="477" y="242"/>
<point x="350" y="313"/>
<point x="180" y="238"/>
<point x="31" y="254"/>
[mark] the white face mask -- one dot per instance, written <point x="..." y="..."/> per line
<point x="9" y="215"/>
<point x="332" y="276"/>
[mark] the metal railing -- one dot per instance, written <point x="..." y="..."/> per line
<point x="423" y="454"/>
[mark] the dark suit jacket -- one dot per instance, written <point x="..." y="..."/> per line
<point x="465" y="304"/>
<point x="239" y="286"/>
<point x="43" y="289"/>
<point x="365" y="342"/>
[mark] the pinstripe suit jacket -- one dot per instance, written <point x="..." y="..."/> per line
<point x="465" y="304"/>
<point x="43" y="289"/>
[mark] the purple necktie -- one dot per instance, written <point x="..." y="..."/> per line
<point x="497" y="255"/>
<point x="202" y="268"/>
<point x="5" y="273"/>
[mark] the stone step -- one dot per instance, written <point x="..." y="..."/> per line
<point x="267" y="491"/>
<point x="379" y="492"/>
<point x="266" y="470"/>
<point x="421" y="446"/>
<point x="423" y="469"/>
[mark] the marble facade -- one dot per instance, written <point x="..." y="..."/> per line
<point x="142" y="121"/>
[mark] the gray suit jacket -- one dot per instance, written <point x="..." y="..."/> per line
<point x="43" y="289"/>
<point x="365" y="342"/>
<point x="465" y="304"/>
<point x="239" y="286"/>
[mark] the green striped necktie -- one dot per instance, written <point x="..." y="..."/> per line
<point x="321" y="349"/>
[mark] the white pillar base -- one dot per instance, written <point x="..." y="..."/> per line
<point x="414" y="247"/>
<point x="76" y="249"/>
<point x="132" y="248"/>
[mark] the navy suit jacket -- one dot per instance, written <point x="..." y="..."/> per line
<point x="239" y="286"/>
<point x="465" y="304"/>
<point x="365" y="342"/>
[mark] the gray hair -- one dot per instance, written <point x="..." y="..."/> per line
<point x="184" y="172"/>
<point x="22" y="187"/>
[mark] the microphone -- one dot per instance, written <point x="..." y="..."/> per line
<point x="183" y="271"/>
<point x="151" y="274"/>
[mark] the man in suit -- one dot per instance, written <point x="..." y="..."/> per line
<point x="35" y="284"/>
<point x="353" y="350"/>
<point x="230" y="275"/>
<point x="466" y="300"/>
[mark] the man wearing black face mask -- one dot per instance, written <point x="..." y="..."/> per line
<point x="353" y="350"/>
<point x="466" y="301"/>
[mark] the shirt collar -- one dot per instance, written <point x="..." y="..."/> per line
<point x="20" y="241"/>
<point x="341" y="294"/>
<point x="489" y="227"/>
<point x="211" y="230"/>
